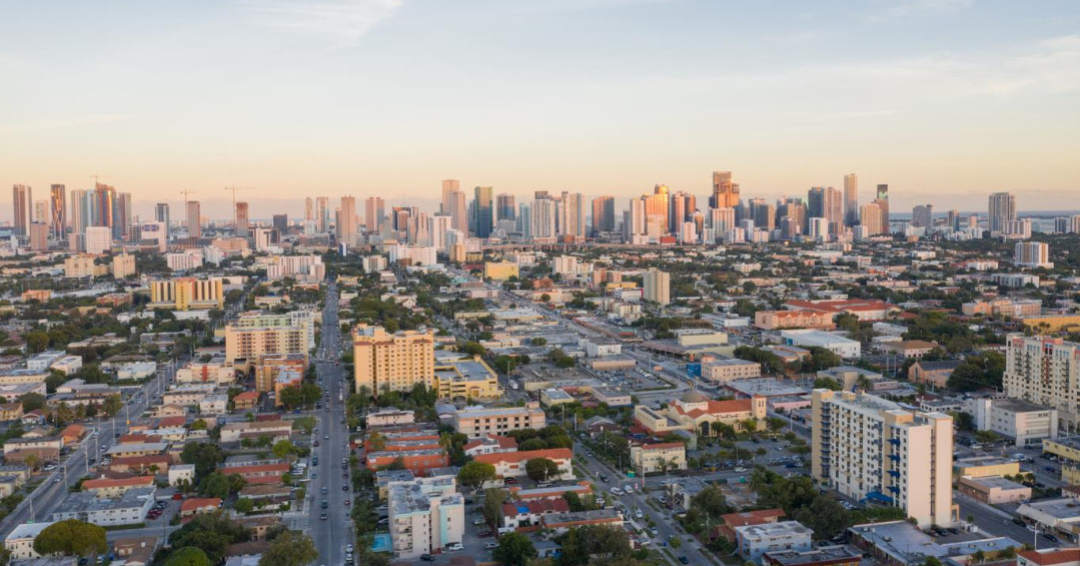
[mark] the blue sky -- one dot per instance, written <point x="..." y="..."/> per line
<point x="945" y="100"/>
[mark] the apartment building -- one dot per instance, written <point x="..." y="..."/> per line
<point x="187" y="293"/>
<point x="724" y="370"/>
<point x="756" y="540"/>
<point x="426" y="515"/>
<point x="249" y="342"/>
<point x="658" y="457"/>
<point x="512" y="464"/>
<point x="269" y="368"/>
<point x="466" y="379"/>
<point x="1043" y="371"/>
<point x="392" y="362"/>
<point x="870" y="448"/>
<point x="773" y="320"/>
<point x="1007" y="308"/>
<point x="476" y="421"/>
<point x="657" y="286"/>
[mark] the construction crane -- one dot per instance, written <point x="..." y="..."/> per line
<point x="186" y="192"/>
<point x="234" y="188"/>
<point x="95" y="177"/>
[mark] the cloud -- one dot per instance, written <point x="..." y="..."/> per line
<point x="73" y="122"/>
<point x="341" y="21"/>
<point x="902" y="8"/>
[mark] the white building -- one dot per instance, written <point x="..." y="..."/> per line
<point x="185" y="260"/>
<point x="1025" y="422"/>
<point x="868" y="448"/>
<point x="98" y="239"/>
<point x="20" y="541"/>
<point x="426" y="514"/>
<point x="1032" y="254"/>
<point x="808" y="338"/>
<point x="756" y="540"/>
<point x="601" y="347"/>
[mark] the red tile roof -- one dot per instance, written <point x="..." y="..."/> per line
<point x="537" y="507"/>
<point x="551" y="454"/>
<point x="718" y="408"/>
<point x="197" y="503"/>
<point x="137" y="481"/>
<point x="1048" y="557"/>
<point x="752" y="517"/>
<point x="172" y="422"/>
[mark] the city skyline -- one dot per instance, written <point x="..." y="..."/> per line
<point x="981" y="102"/>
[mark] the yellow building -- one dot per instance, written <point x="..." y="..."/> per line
<point x="187" y="293"/>
<point x="79" y="267"/>
<point x="985" y="467"/>
<point x="123" y="266"/>
<point x="392" y="362"/>
<point x="500" y="270"/>
<point x="659" y="457"/>
<point x="467" y="379"/>
<point x="1069" y="452"/>
<point x="1052" y="322"/>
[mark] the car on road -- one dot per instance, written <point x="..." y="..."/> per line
<point x="739" y="470"/>
<point x="323" y="516"/>
<point x="491" y="545"/>
<point x="1050" y="537"/>
<point x="616" y="491"/>
<point x="427" y="558"/>
<point x="684" y="560"/>
<point x="454" y="547"/>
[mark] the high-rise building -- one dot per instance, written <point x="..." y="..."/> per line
<point x="449" y="186"/>
<point x="194" y="219"/>
<point x="374" y="213"/>
<point x="122" y="214"/>
<point x="868" y="447"/>
<point x="346" y="226"/>
<point x="543" y="219"/>
<point x="249" y="338"/>
<point x="953" y="221"/>
<point x="1002" y="211"/>
<point x="922" y="216"/>
<point x="104" y="205"/>
<point x="281" y="223"/>
<point x="827" y="203"/>
<point x="81" y="213"/>
<point x="656" y="286"/>
<point x="603" y="215"/>
<point x="634" y="221"/>
<point x="21" y="199"/>
<point x="883" y="203"/>
<point x="681" y="207"/>
<point x="504" y="207"/>
<point x="242" y="226"/>
<point x="1044" y="371"/>
<point x="309" y="209"/>
<point x="161" y="214"/>
<point x="322" y="215"/>
<point x="1032" y="254"/>
<point x="870" y="217"/>
<point x="187" y="293"/>
<point x="58" y="216"/>
<point x="656" y="212"/>
<point x="725" y="194"/>
<point x="98" y="239"/>
<point x="483" y="215"/>
<point x="41" y="212"/>
<point x="763" y="214"/>
<point x="39" y="236"/>
<point x="851" y="199"/>
<point x="458" y="211"/>
<point x="387" y="362"/>
<point x="570" y="215"/>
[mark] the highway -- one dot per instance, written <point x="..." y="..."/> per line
<point x="332" y="534"/>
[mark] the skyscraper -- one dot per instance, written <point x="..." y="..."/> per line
<point x="954" y="220"/>
<point x="309" y="209"/>
<point x="122" y="214"/>
<point x="883" y="204"/>
<point x="851" y="199"/>
<point x="483" y="214"/>
<point x="656" y="286"/>
<point x="1002" y="211"/>
<point x="725" y="194"/>
<point x="570" y="215"/>
<point x="281" y="223"/>
<point x="161" y="214"/>
<point x="374" y="212"/>
<point x="870" y="217"/>
<point x="681" y="207"/>
<point x="922" y="216"/>
<point x="242" y="220"/>
<point x="603" y="215"/>
<point x="504" y="207"/>
<point x="827" y="203"/>
<point x="21" y="199"/>
<point x="346" y="228"/>
<point x="458" y="211"/>
<point x="104" y="205"/>
<point x="79" y="212"/>
<point x="194" y="219"/>
<point x="58" y="218"/>
<point x="543" y="219"/>
<point x="322" y="215"/>
<point x="448" y="187"/>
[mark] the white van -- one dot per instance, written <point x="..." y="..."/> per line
<point x="616" y="491"/>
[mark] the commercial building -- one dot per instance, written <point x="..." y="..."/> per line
<point x="392" y="362"/>
<point x="1052" y="323"/>
<point x="478" y="421"/>
<point x="773" y="320"/>
<point x="899" y="543"/>
<point x="993" y="490"/>
<point x="20" y="541"/>
<point x="843" y="347"/>
<point x="657" y="286"/>
<point x="1044" y="371"/>
<point x="932" y="373"/>
<point x="756" y="540"/>
<point x="692" y="412"/>
<point x="837" y="555"/>
<point x="425" y="515"/>
<point x="129" y="508"/>
<point x="187" y="293"/>
<point x="1027" y="423"/>
<point x="658" y="457"/>
<point x="469" y="379"/>
<point x="725" y="370"/>
<point x="500" y="270"/>
<point x="985" y="466"/>
<point x="872" y="449"/>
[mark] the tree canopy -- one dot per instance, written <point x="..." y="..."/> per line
<point x="71" y="537"/>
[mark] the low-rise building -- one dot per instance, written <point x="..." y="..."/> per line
<point x="425" y="515"/>
<point x="128" y="508"/>
<point x="837" y="555"/>
<point x="994" y="490"/>
<point x="477" y="421"/>
<point x="844" y="347"/>
<point x="724" y="370"/>
<point x="513" y="464"/>
<point x="658" y="457"/>
<point x="755" y="540"/>
<point x="932" y="373"/>
<point x="389" y="416"/>
<point x="1027" y="423"/>
<point x="20" y="541"/>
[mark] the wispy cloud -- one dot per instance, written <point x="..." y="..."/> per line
<point x="901" y="8"/>
<point x="341" y="21"/>
<point x="60" y="124"/>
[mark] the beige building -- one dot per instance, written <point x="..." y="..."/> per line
<point x="79" y="267"/>
<point x="729" y="369"/>
<point x="123" y="266"/>
<point x="660" y="457"/>
<point x="868" y="447"/>
<point x="657" y="286"/>
<point x="467" y="379"/>
<point x="500" y="270"/>
<point x="772" y="320"/>
<point x="985" y="466"/>
<point x="251" y="343"/>
<point x="392" y="362"/>
<point x="993" y="490"/>
<point x="1044" y="371"/>
<point x="187" y="293"/>
<point x="426" y="515"/>
<point x="481" y="421"/>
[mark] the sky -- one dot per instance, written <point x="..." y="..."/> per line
<point x="944" y="100"/>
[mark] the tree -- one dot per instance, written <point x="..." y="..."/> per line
<point x="515" y="549"/>
<point x="112" y="405"/>
<point x="36" y="341"/>
<point x="32" y="402"/>
<point x="827" y="383"/>
<point x="290" y="396"/>
<point x="71" y="537"/>
<point x="212" y="533"/>
<point x="580" y="545"/>
<point x="474" y="474"/>
<point x="204" y="455"/>
<point x="290" y="549"/>
<point x="283" y="448"/>
<point x="188" y="556"/>
<point x="541" y="469"/>
<point x="493" y="500"/>
<point x="214" y="485"/>
<point x="533" y="444"/>
<point x="573" y="500"/>
<point x="243" y="505"/>
<point x="377" y="442"/>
